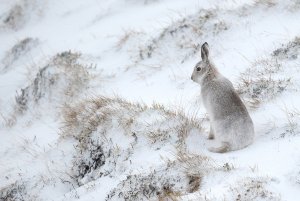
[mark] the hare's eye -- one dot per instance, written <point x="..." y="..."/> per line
<point x="198" y="69"/>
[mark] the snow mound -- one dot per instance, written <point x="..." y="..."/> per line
<point x="257" y="188"/>
<point x="59" y="81"/>
<point x="268" y="78"/>
<point x="169" y="181"/>
<point x="180" y="39"/>
<point x="263" y="81"/>
<point x="109" y="138"/>
<point x="112" y="138"/>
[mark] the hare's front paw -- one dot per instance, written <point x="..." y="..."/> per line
<point x="211" y="136"/>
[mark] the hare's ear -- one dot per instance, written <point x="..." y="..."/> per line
<point x="204" y="52"/>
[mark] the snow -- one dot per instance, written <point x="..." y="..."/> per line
<point x="129" y="92"/>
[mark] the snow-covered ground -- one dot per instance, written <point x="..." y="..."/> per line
<point x="97" y="102"/>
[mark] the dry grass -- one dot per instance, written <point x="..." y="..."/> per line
<point x="263" y="81"/>
<point x="10" y="120"/>
<point x="20" y="13"/>
<point x="98" y="111"/>
<point x="294" y="6"/>
<point x="288" y="51"/>
<point x="59" y="81"/>
<point x="15" y="17"/>
<point x="292" y="119"/>
<point x="254" y="189"/>
<point x="145" y="2"/>
<point x="260" y="83"/>
<point x="195" y="164"/>
<point x="169" y="182"/>
<point x="184" y="36"/>
<point x="126" y="36"/>
<point x="95" y="122"/>
<point x="18" y="50"/>
<point x="33" y="188"/>
<point x="267" y="3"/>
<point x="95" y="112"/>
<point x="14" y="192"/>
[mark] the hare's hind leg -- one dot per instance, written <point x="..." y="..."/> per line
<point x="225" y="147"/>
<point x="211" y="134"/>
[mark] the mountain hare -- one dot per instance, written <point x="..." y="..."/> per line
<point x="230" y="123"/>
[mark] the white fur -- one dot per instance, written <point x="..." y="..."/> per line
<point x="231" y="124"/>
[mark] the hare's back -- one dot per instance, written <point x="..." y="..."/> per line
<point x="222" y="99"/>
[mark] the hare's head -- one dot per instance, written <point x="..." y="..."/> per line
<point x="202" y="67"/>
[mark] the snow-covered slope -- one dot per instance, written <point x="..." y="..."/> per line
<point x="97" y="102"/>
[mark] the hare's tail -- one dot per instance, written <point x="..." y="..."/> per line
<point x="225" y="147"/>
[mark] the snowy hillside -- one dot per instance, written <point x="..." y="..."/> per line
<point x="97" y="101"/>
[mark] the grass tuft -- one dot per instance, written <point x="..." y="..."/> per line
<point x="261" y="83"/>
<point x="18" y="50"/>
<point x="97" y="124"/>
